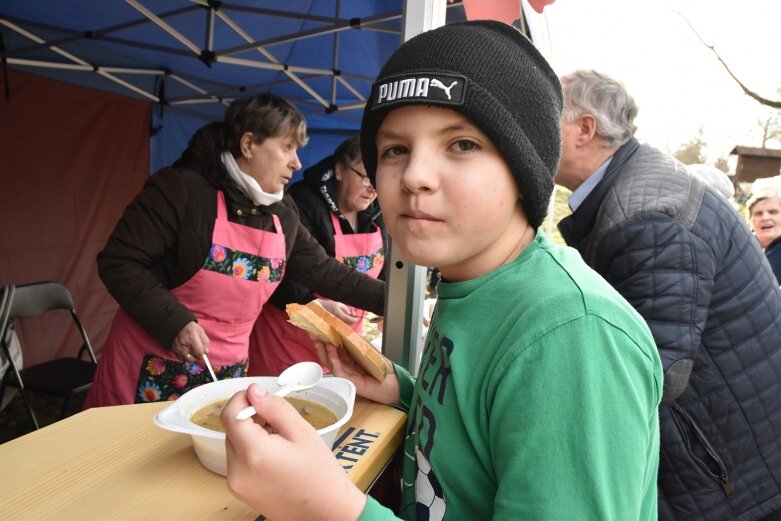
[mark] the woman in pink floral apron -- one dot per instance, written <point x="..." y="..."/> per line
<point x="338" y="205"/>
<point x="198" y="253"/>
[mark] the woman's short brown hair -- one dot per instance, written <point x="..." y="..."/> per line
<point x="264" y="115"/>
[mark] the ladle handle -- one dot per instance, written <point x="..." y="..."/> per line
<point x="249" y="412"/>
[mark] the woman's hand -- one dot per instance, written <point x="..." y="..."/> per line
<point x="279" y="465"/>
<point x="340" y="363"/>
<point x="341" y="311"/>
<point x="191" y="343"/>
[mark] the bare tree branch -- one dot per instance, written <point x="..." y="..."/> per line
<point x="770" y="128"/>
<point x="746" y="90"/>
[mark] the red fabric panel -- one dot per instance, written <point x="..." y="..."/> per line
<point x="506" y="11"/>
<point x="71" y="159"/>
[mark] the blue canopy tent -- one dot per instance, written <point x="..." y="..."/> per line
<point x="185" y="60"/>
<point x="190" y="58"/>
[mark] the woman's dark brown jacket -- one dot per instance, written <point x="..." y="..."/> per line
<point x="165" y="234"/>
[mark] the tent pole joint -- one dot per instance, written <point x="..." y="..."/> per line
<point x="208" y="57"/>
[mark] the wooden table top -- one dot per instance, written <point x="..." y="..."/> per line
<point x="113" y="463"/>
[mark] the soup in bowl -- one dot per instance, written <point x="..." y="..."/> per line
<point x="318" y="416"/>
<point x="336" y="395"/>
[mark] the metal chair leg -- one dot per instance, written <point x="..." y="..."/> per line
<point x="64" y="407"/>
<point x="28" y="406"/>
<point x="20" y="386"/>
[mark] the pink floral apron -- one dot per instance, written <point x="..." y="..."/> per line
<point x="243" y="268"/>
<point x="275" y="344"/>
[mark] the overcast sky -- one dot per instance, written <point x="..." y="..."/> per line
<point x="677" y="82"/>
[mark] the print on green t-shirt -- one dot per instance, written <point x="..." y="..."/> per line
<point x="421" y="488"/>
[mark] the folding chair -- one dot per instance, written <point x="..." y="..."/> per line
<point x="5" y="365"/>
<point x="14" y="348"/>
<point x="60" y="377"/>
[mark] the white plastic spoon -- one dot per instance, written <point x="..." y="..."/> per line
<point x="297" y="377"/>
<point x="209" y="366"/>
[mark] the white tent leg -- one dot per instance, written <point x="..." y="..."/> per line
<point x="406" y="284"/>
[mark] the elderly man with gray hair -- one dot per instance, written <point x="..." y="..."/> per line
<point x="684" y="258"/>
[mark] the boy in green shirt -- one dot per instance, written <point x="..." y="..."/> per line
<point x="539" y="385"/>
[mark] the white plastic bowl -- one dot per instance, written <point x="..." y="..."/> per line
<point x="337" y="394"/>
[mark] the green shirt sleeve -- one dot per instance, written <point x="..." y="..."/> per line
<point x="374" y="511"/>
<point x="406" y="387"/>
<point x="578" y="431"/>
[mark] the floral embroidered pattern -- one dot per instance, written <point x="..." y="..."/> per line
<point x="244" y="266"/>
<point x="161" y="379"/>
<point x="365" y="262"/>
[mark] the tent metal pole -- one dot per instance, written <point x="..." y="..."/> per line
<point x="335" y="59"/>
<point x="196" y="88"/>
<point x="301" y="83"/>
<point x="406" y="284"/>
<point x="98" y="34"/>
<point x="281" y="14"/>
<point x="79" y="61"/>
<point x="287" y="70"/>
<point x="379" y="28"/>
<point x="197" y="101"/>
<point x="274" y="66"/>
<point x="210" y="98"/>
<point x="210" y="30"/>
<point x="50" y="65"/>
<point x="144" y="45"/>
<point x="38" y="39"/>
<point x="352" y="106"/>
<point x="128" y="86"/>
<point x="349" y="87"/>
<point x="354" y="76"/>
<point x="164" y="26"/>
<point x="343" y="25"/>
<point x="370" y="25"/>
<point x="126" y="70"/>
<point x="202" y="100"/>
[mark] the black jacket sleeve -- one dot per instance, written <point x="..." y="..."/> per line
<point x="314" y="216"/>
<point x="134" y="265"/>
<point x="310" y="211"/>
<point x="310" y="265"/>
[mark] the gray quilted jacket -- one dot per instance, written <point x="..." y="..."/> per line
<point x="683" y="257"/>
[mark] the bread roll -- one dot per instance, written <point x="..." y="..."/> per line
<point x="306" y="319"/>
<point x="322" y="325"/>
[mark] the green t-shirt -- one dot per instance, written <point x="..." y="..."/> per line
<point x="536" y="399"/>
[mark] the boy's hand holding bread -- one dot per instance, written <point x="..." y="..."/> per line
<point x="321" y="325"/>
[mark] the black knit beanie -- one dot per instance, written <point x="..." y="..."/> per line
<point x="492" y="74"/>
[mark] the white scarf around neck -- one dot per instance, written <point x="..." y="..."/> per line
<point x="247" y="184"/>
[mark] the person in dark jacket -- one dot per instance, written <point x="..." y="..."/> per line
<point x="764" y="209"/>
<point x="684" y="258"/>
<point x="338" y="205"/>
<point x="197" y="254"/>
